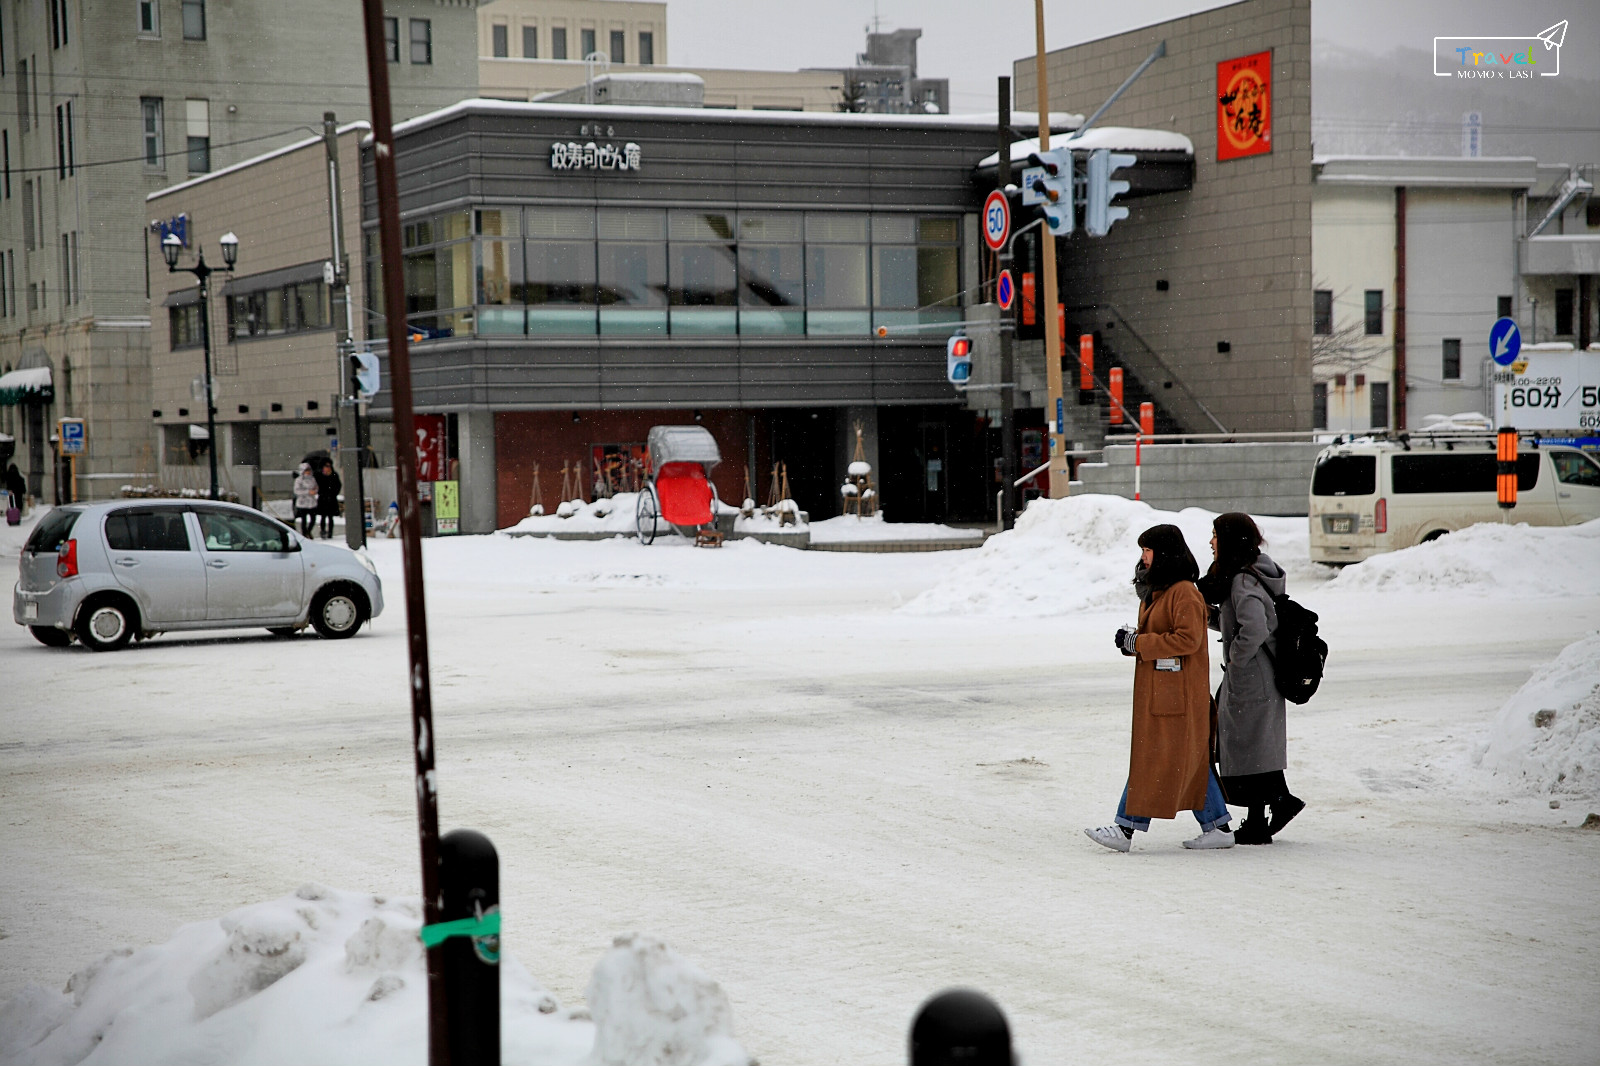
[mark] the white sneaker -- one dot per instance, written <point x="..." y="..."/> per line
<point x="1211" y="838"/>
<point x="1112" y="836"/>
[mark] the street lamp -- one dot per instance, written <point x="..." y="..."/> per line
<point x="171" y="248"/>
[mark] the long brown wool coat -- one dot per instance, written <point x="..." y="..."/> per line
<point x="1170" y="762"/>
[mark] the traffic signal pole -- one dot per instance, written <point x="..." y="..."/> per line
<point x="1008" y="423"/>
<point x="1047" y="301"/>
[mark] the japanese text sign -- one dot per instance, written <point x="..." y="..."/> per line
<point x="1244" y="106"/>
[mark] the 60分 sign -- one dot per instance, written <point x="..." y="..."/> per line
<point x="1549" y="390"/>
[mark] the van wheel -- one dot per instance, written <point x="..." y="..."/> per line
<point x="106" y="624"/>
<point x="50" y="636"/>
<point x="337" y="612"/>
<point x="1434" y="535"/>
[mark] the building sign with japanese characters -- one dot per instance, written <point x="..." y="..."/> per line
<point x="570" y="155"/>
<point x="1244" y="106"/>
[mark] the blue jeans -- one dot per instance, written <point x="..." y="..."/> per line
<point x="1213" y="814"/>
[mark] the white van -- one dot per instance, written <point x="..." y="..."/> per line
<point x="1371" y="496"/>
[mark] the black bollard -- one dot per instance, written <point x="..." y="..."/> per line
<point x="960" y="1027"/>
<point x="469" y="888"/>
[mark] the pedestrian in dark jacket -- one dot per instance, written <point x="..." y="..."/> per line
<point x="1169" y="766"/>
<point x="328" y="486"/>
<point x="1252" y="721"/>
<point x="16" y="486"/>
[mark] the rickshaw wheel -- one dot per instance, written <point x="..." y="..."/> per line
<point x="647" y="514"/>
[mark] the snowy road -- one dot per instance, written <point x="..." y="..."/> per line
<point x="834" y="807"/>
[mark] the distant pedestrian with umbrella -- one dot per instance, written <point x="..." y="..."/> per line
<point x="328" y="486"/>
<point x="305" y="499"/>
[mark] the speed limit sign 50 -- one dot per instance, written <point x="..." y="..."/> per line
<point x="996" y="220"/>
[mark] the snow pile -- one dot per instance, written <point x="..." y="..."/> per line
<point x="324" y="976"/>
<point x="1547" y="736"/>
<point x="1521" y="561"/>
<point x="1078" y="554"/>
<point x="652" y="1007"/>
<point x="613" y="514"/>
<point x="852" y="529"/>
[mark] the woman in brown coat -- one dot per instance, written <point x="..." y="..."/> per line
<point x="1169" y="768"/>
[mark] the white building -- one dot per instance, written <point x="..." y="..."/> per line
<point x="1413" y="261"/>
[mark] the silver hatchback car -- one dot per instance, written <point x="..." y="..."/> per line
<point x="107" y="573"/>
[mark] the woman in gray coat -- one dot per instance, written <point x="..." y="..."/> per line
<point x="1252" y="726"/>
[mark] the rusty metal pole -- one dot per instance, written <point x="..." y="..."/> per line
<point x="394" y="306"/>
<point x="1046" y="301"/>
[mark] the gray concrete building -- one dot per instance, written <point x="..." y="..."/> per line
<point x="1208" y="289"/>
<point x="114" y="99"/>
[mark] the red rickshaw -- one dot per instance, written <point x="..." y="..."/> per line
<point x="679" y="493"/>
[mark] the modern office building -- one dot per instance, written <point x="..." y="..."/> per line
<point x="115" y="99"/>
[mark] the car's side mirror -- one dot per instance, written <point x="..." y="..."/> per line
<point x="294" y="543"/>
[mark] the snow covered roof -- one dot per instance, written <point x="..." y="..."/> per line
<point x="731" y="116"/>
<point x="1506" y="172"/>
<point x="253" y="160"/>
<point x="1120" y="138"/>
<point x="15" y="384"/>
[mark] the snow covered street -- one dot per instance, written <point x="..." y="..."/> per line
<point x="838" y="798"/>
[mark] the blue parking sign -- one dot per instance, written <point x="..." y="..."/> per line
<point x="74" y="440"/>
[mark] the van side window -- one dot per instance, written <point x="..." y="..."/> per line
<point x="1575" y="468"/>
<point x="1346" y="475"/>
<point x="147" y="531"/>
<point x="1457" y="472"/>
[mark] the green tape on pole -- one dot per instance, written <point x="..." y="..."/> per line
<point x="488" y="925"/>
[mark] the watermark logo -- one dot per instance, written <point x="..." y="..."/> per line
<point x="1503" y="58"/>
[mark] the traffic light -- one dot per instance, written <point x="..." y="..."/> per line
<point x="958" y="359"/>
<point x="1098" y="214"/>
<point x="1049" y="180"/>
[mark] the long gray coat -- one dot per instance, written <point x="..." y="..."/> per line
<point x="1252" y="730"/>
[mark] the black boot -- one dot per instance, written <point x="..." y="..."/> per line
<point x="1284" y="808"/>
<point x="1253" y="831"/>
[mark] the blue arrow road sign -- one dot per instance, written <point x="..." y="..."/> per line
<point x="1505" y="341"/>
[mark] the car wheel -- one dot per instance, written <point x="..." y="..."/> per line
<point x="338" y="612"/>
<point x="106" y="625"/>
<point x="283" y="631"/>
<point x="50" y="636"/>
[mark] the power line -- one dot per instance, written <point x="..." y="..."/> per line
<point x="161" y="155"/>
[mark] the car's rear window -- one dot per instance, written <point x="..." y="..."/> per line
<point x="1346" y="475"/>
<point x="1457" y="472"/>
<point x="53" y="530"/>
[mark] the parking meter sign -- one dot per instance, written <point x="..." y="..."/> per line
<point x="996" y="220"/>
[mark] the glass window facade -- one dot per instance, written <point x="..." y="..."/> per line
<point x="680" y="272"/>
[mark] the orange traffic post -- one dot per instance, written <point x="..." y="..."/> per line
<point x="1506" y="467"/>
<point x="1086" y="362"/>
<point x="1147" y="418"/>
<point x="1116" y="395"/>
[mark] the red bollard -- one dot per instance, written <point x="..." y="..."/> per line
<point x="1116" y="395"/>
<point x="1147" y="418"/>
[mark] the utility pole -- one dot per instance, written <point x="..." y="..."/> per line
<point x="394" y="305"/>
<point x="1008" y="428"/>
<point x="350" y="446"/>
<point x="1055" y="413"/>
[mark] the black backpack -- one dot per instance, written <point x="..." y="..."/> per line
<point x="1301" y="653"/>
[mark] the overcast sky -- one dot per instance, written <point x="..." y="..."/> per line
<point x="973" y="43"/>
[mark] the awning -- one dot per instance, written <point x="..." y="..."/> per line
<point x="30" y="385"/>
<point x="198" y="432"/>
<point x="274" y="279"/>
<point x="182" y="297"/>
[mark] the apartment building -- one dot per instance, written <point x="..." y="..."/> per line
<point x="114" y="99"/>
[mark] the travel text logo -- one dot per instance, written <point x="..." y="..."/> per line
<point x="1509" y="58"/>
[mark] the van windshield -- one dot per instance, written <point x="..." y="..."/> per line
<point x="1345" y="475"/>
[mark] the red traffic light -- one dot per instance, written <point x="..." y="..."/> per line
<point x="1034" y="160"/>
<point x="959" y="347"/>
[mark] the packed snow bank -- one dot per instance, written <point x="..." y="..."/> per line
<point x="1547" y="736"/>
<point x="616" y="514"/>
<point x="324" y="976"/>
<point x="652" y="1007"/>
<point x="1078" y="554"/>
<point x="1521" y="561"/>
<point x="853" y="529"/>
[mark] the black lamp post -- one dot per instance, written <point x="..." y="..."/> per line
<point x="171" y="248"/>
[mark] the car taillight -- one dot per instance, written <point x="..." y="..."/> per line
<point x="67" y="560"/>
<point x="1380" y="516"/>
